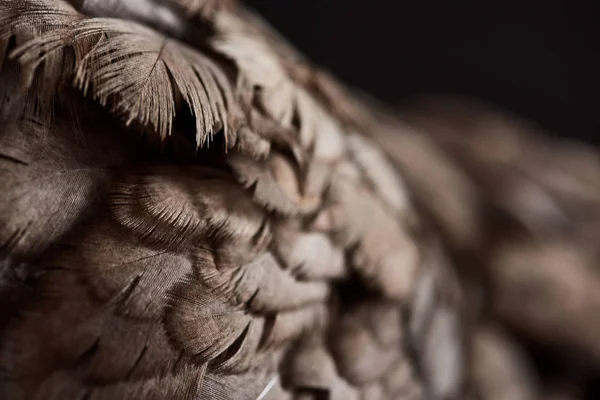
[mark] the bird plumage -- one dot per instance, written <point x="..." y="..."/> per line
<point x="190" y="210"/>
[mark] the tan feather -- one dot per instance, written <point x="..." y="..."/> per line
<point x="264" y="286"/>
<point x="558" y="313"/>
<point x="215" y="272"/>
<point x="279" y="96"/>
<point x="279" y="137"/>
<point x="204" y="324"/>
<point x="400" y="381"/>
<point x="219" y="306"/>
<point x="435" y="326"/>
<point x="27" y="21"/>
<point x="274" y="184"/>
<point x="251" y="144"/>
<point x="169" y="208"/>
<point x="385" y="256"/>
<point x="383" y="177"/>
<point x="140" y="66"/>
<point x="356" y="342"/>
<point x="500" y="369"/>
<point x="440" y="186"/>
<point x="249" y="386"/>
<point x="311" y="255"/>
<point x="277" y="91"/>
<point x="310" y="370"/>
<point x="137" y="70"/>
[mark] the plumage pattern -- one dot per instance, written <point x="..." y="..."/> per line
<point x="190" y="210"/>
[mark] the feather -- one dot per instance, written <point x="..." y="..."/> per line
<point x="49" y="182"/>
<point x="160" y="211"/>
<point x="435" y="326"/>
<point x="443" y="191"/>
<point x="262" y="285"/>
<point x="383" y="177"/>
<point x="137" y="70"/>
<point x="291" y="325"/>
<point x="278" y="95"/>
<point x="274" y="184"/>
<point x="344" y="104"/>
<point x="309" y="369"/>
<point x="500" y="369"/>
<point x="542" y="184"/>
<point x="58" y="386"/>
<point x="273" y="288"/>
<point x="294" y="256"/>
<point x="205" y="8"/>
<point x="558" y="313"/>
<point x="250" y="143"/>
<point x="184" y="384"/>
<point x="143" y="69"/>
<point x="65" y="307"/>
<point x="13" y="102"/>
<point x="155" y="13"/>
<point x="271" y="132"/>
<point x="310" y="255"/>
<point x="248" y="386"/>
<point x="171" y="209"/>
<point x="204" y="324"/>
<point x="400" y="382"/>
<point x="211" y="321"/>
<point x="360" y="354"/>
<point x="385" y="256"/>
<point x="15" y="287"/>
<point x="111" y="262"/>
<point x="318" y="130"/>
<point x="66" y="330"/>
<point x="274" y="391"/>
<point x="125" y="350"/>
<point x="277" y="91"/>
<point x="27" y="21"/>
<point x="255" y="25"/>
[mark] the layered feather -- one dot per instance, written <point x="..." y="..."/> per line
<point x="303" y="255"/>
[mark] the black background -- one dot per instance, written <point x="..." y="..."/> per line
<point x="540" y="59"/>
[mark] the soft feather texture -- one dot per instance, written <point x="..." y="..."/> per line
<point x="49" y="180"/>
<point x="135" y="68"/>
<point x="190" y="210"/>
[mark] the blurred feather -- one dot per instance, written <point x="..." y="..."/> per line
<point x="190" y="210"/>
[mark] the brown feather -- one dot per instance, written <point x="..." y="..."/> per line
<point x="385" y="255"/>
<point x="435" y="328"/>
<point x="186" y="383"/>
<point x="136" y="69"/>
<point x="310" y="369"/>
<point x="170" y="208"/>
<point x="49" y="182"/>
<point x="441" y="188"/>
<point x="274" y="183"/>
<point x="311" y="255"/>
<point x="500" y="369"/>
<point x="366" y="342"/>
<point x="111" y="262"/>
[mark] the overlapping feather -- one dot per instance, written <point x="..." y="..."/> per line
<point x="293" y="259"/>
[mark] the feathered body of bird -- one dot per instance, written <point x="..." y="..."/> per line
<point x="190" y="210"/>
